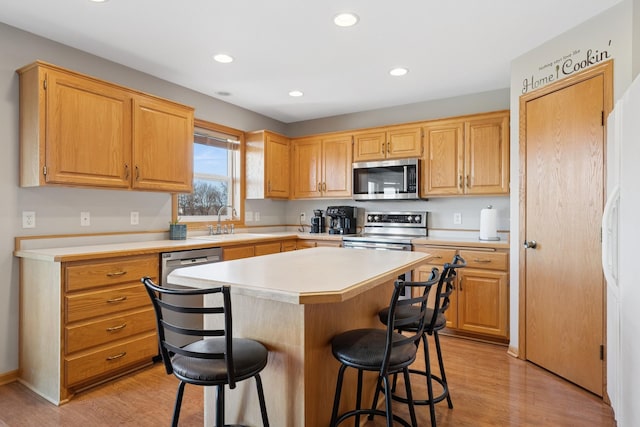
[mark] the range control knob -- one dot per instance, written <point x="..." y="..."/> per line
<point x="376" y="218"/>
<point x="369" y="218"/>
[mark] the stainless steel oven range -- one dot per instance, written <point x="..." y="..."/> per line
<point x="389" y="231"/>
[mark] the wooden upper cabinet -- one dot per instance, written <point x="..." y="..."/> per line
<point x="388" y="143"/>
<point x="468" y="155"/>
<point x="322" y="167"/>
<point x="76" y="130"/>
<point x="267" y="165"/>
<point x="162" y="146"/>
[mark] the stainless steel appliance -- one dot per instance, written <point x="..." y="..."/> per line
<point x="343" y="219"/>
<point x="317" y="222"/>
<point x="386" y="180"/>
<point x="389" y="231"/>
<point x="173" y="260"/>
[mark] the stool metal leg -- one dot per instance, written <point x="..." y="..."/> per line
<point x="263" y="406"/>
<point x="443" y="376"/>
<point x="220" y="406"/>
<point x="178" y="404"/>
<point x="336" y="399"/>
<point x="427" y="363"/>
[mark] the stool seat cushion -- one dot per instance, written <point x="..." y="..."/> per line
<point x="249" y="358"/>
<point x="364" y="349"/>
<point x="404" y="312"/>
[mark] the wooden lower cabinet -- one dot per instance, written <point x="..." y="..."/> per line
<point x="257" y="249"/>
<point x="480" y="300"/>
<point x="102" y="327"/>
<point x="314" y="243"/>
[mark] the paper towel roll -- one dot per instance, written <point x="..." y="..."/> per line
<point x="489" y="224"/>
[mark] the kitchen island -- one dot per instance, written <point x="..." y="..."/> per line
<point x="294" y="303"/>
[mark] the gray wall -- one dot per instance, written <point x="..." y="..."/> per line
<point x="610" y="31"/>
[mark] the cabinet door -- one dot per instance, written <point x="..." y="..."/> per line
<point x="369" y="146"/>
<point x="487" y="155"/>
<point x="336" y="167"/>
<point x="276" y="166"/>
<point x="238" y="252"/>
<point x="483" y="302"/>
<point x="307" y="168"/>
<point x="443" y="159"/>
<point x="162" y="146"/>
<point x="88" y="132"/>
<point x="404" y="142"/>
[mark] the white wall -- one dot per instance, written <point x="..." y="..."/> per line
<point x="610" y="32"/>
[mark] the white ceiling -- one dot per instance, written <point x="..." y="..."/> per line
<point x="451" y="47"/>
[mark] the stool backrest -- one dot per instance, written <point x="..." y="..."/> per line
<point x="183" y="327"/>
<point x="404" y="312"/>
<point x="443" y="291"/>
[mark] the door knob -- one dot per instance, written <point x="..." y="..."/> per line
<point x="531" y="244"/>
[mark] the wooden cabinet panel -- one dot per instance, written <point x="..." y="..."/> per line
<point x="238" y="252"/>
<point x="90" y="334"/>
<point x="267" y="248"/>
<point x="487" y="155"/>
<point x="480" y="300"/>
<point x="80" y="306"/>
<point x="388" y="143"/>
<point x="93" y="274"/>
<point x="162" y="146"/>
<point x="77" y="130"/>
<point x="268" y="165"/>
<point x="442" y="164"/>
<point x="322" y="167"/>
<point x="466" y="156"/>
<point x="104" y="362"/>
<point x="288" y="245"/>
<point x="483" y="302"/>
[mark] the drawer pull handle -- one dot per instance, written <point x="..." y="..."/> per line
<point x="116" y="328"/>
<point x="119" y="299"/>
<point x="482" y="260"/>
<point x="117" y="356"/>
<point x="116" y="274"/>
<point x="436" y="257"/>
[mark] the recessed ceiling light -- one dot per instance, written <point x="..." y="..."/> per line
<point x="223" y="58"/>
<point x="397" y="72"/>
<point x="347" y="19"/>
<point x="295" y="93"/>
<point x="98" y="1"/>
<point x="223" y="93"/>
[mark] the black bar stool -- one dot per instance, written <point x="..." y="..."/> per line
<point x="435" y="322"/>
<point x="215" y="358"/>
<point x="384" y="351"/>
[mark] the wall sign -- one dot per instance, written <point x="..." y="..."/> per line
<point x="564" y="66"/>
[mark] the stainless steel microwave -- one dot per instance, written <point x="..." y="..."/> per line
<point x="386" y="180"/>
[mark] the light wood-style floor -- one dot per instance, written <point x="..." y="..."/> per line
<point x="488" y="387"/>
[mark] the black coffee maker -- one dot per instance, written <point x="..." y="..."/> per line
<point x="342" y="219"/>
<point x="317" y="222"/>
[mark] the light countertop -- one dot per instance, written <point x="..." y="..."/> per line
<point x="317" y="275"/>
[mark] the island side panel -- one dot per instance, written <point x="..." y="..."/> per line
<point x="280" y="327"/>
<point x="322" y="323"/>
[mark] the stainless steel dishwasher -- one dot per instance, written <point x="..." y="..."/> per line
<point x="174" y="260"/>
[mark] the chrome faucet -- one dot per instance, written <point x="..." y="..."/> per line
<point x="233" y="213"/>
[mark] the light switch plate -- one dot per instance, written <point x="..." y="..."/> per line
<point x="457" y="218"/>
<point x="135" y="218"/>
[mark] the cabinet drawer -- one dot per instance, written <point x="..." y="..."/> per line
<point x="288" y="245"/>
<point x="110" y="301"/>
<point x="267" y="248"/>
<point x="112" y="359"/>
<point x="486" y="260"/>
<point x="437" y="256"/>
<point x="87" y="275"/>
<point x="305" y="244"/>
<point x="237" y="253"/>
<point x="90" y="334"/>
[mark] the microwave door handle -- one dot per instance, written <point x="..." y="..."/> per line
<point x="406" y="184"/>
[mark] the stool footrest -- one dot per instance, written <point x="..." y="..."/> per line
<point x="442" y="396"/>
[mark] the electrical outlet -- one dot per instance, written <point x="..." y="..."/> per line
<point x="28" y="219"/>
<point x="457" y="218"/>
<point x="85" y="219"/>
<point x="135" y="218"/>
<point x="257" y="216"/>
<point x="303" y="217"/>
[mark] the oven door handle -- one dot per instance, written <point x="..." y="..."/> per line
<point x="378" y="246"/>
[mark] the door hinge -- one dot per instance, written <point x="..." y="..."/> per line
<point x="44" y="170"/>
<point x="601" y="352"/>
<point x="602" y="118"/>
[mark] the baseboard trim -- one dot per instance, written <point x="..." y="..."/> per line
<point x="8" y="377"/>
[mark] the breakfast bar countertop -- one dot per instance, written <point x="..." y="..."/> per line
<point x="318" y="275"/>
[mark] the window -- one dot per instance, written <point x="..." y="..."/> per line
<point x="217" y="155"/>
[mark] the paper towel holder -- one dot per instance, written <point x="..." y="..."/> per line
<point x="496" y="238"/>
